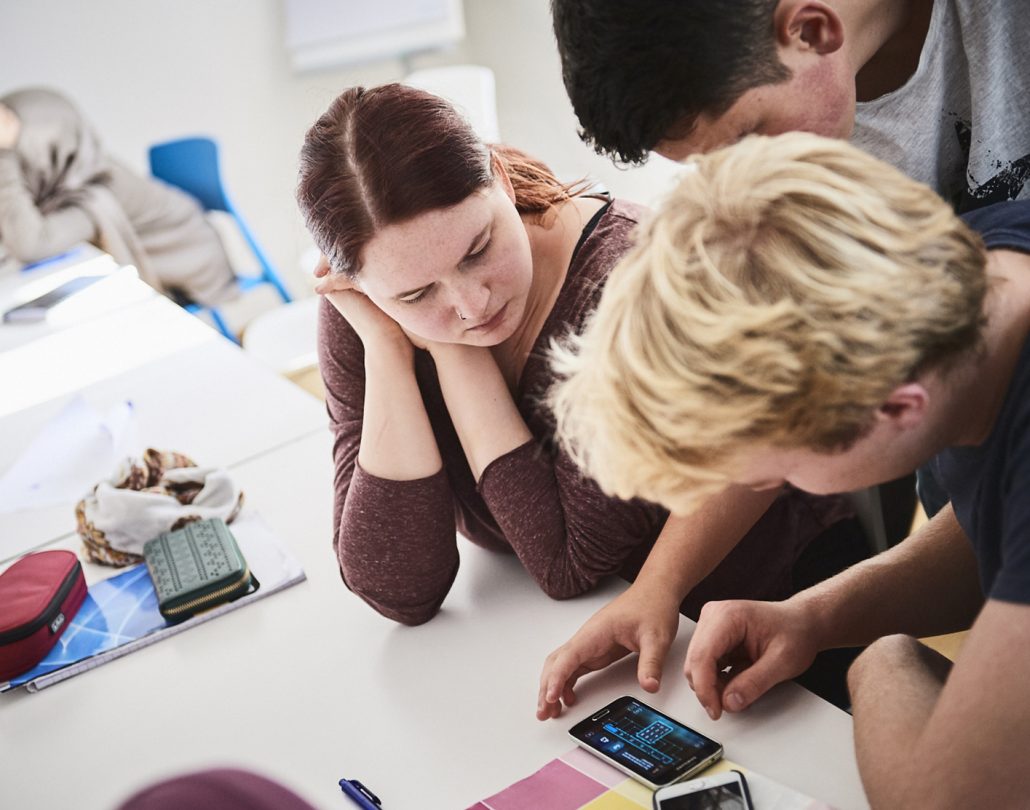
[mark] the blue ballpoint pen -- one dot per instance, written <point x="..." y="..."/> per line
<point x="360" y="795"/>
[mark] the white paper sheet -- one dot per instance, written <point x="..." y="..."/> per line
<point x="74" y="451"/>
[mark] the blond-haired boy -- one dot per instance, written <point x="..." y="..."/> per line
<point x="799" y="312"/>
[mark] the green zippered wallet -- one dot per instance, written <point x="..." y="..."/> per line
<point x="195" y="568"/>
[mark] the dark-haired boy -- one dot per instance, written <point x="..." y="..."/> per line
<point x="942" y="88"/>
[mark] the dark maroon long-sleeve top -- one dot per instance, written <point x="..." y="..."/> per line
<point x="396" y="540"/>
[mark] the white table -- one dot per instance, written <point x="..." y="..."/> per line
<point x="310" y="685"/>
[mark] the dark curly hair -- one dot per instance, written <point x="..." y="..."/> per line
<point x="643" y="71"/>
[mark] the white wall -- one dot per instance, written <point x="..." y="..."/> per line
<point x="148" y="70"/>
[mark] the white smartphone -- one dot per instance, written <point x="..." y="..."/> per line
<point x="644" y="743"/>
<point x="37" y="308"/>
<point x="724" y="791"/>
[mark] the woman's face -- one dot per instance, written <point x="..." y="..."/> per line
<point x="454" y="275"/>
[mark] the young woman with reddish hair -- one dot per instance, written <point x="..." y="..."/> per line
<point x="451" y="267"/>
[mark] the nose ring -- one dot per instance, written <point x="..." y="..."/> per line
<point x="460" y="316"/>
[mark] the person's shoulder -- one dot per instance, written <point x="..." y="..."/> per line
<point x="627" y="211"/>
<point x="614" y="226"/>
<point x="1002" y="225"/>
<point x="607" y="235"/>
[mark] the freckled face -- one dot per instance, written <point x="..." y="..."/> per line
<point x="453" y="275"/>
<point x="818" y="98"/>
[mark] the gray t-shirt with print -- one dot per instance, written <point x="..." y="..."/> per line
<point x="961" y="124"/>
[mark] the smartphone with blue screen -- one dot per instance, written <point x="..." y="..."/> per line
<point x="645" y="743"/>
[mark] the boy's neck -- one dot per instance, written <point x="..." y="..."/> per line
<point x="886" y="39"/>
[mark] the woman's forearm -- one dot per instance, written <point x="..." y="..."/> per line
<point x="480" y="404"/>
<point x="397" y="440"/>
<point x="396" y="541"/>
<point x="393" y="516"/>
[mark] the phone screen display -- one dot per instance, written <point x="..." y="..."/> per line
<point x="645" y="742"/>
<point x="721" y="797"/>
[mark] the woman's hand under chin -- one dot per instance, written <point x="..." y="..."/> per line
<point x="328" y="281"/>
<point x="377" y="330"/>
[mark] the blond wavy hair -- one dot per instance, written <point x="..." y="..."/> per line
<point x="782" y="291"/>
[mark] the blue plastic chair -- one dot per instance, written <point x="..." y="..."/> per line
<point x="191" y="164"/>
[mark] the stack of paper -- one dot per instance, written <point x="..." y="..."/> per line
<point x="578" y="780"/>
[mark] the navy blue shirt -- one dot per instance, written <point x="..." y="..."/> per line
<point x="989" y="485"/>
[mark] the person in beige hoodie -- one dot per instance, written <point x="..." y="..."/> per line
<point x="58" y="187"/>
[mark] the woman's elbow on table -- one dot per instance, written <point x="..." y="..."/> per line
<point x="408" y="616"/>
<point x="409" y="603"/>
<point x="560" y="580"/>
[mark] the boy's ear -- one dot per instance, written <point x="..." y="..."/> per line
<point x="809" y="25"/>
<point x="906" y="406"/>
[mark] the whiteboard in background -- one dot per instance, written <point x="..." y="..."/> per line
<point x="323" y="34"/>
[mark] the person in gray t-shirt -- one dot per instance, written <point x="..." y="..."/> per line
<point x="940" y="90"/>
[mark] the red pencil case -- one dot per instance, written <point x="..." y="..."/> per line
<point x="39" y="596"/>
